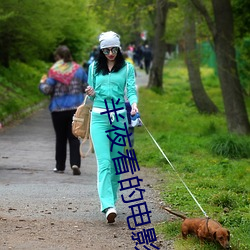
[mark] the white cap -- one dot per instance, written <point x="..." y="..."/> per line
<point x="109" y="39"/>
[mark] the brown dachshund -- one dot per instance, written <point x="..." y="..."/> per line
<point x="204" y="229"/>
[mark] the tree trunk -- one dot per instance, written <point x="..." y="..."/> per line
<point x="223" y="38"/>
<point x="201" y="99"/>
<point x="235" y="109"/>
<point x="159" y="47"/>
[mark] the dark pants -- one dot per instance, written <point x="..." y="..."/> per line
<point x="62" y="122"/>
<point x="132" y="138"/>
<point x="147" y="65"/>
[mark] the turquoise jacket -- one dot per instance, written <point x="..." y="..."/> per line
<point x="113" y="86"/>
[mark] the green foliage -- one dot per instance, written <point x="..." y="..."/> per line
<point x="175" y="25"/>
<point x="219" y="183"/>
<point x="29" y="33"/>
<point x="176" y="18"/>
<point x="128" y="18"/>
<point x="243" y="59"/>
<point x="19" y="87"/>
<point x="231" y="146"/>
<point x="241" y="17"/>
<point x="224" y="200"/>
<point x="169" y="229"/>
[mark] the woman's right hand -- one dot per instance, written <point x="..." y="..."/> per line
<point x="43" y="79"/>
<point x="90" y="91"/>
<point x="134" y="109"/>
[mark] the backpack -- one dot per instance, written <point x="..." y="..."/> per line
<point x="81" y="126"/>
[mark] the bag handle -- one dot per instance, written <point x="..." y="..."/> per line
<point x="90" y="149"/>
<point x="85" y="99"/>
<point x="87" y="137"/>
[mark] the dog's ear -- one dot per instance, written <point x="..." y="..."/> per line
<point x="228" y="237"/>
<point x="214" y="235"/>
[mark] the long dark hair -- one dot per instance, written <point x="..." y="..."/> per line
<point x="102" y="67"/>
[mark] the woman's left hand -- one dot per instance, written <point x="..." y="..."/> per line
<point x="134" y="109"/>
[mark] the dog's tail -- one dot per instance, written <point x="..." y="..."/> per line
<point x="175" y="213"/>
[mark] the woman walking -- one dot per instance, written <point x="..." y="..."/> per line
<point x="65" y="84"/>
<point x="108" y="78"/>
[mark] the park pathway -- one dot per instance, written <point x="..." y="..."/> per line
<point x="40" y="209"/>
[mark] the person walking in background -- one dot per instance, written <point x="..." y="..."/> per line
<point x="147" y="54"/>
<point x="108" y="77"/>
<point x="138" y="52"/>
<point x="65" y="84"/>
<point x="127" y="58"/>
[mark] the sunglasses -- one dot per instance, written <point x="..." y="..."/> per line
<point x="106" y="51"/>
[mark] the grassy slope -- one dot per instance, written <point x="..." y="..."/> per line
<point x="220" y="184"/>
<point x="19" y="88"/>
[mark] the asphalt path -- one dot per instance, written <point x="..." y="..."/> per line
<point x="31" y="190"/>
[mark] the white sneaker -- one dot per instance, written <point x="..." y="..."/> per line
<point x="111" y="214"/>
<point x="58" y="171"/>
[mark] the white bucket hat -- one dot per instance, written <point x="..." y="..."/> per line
<point x="109" y="39"/>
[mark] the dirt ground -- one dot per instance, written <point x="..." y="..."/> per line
<point x="34" y="220"/>
<point x="40" y="209"/>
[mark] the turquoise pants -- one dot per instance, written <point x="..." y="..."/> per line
<point x="107" y="180"/>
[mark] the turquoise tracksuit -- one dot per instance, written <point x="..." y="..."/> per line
<point x="108" y="87"/>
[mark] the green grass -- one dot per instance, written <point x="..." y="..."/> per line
<point x="214" y="164"/>
<point x="19" y="88"/>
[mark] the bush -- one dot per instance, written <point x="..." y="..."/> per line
<point x="224" y="200"/>
<point x="19" y="88"/>
<point x="231" y="146"/>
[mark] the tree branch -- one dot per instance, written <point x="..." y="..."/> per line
<point x="202" y="9"/>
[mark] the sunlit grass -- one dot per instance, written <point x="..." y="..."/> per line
<point x="193" y="142"/>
